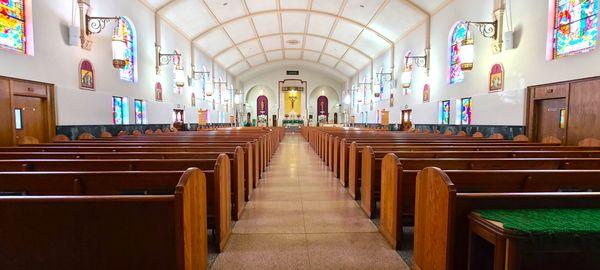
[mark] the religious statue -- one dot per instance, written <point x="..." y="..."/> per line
<point x="322" y="106"/>
<point x="293" y="99"/>
<point x="262" y="105"/>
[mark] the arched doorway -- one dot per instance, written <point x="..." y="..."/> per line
<point x="262" y="111"/>
<point x="322" y="110"/>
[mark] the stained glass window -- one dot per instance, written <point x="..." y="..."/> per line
<point x="141" y="115"/>
<point x="120" y="110"/>
<point x="457" y="35"/>
<point x="127" y="30"/>
<point x="13" y="34"/>
<point x="444" y="115"/>
<point x="465" y="111"/>
<point x="574" y="28"/>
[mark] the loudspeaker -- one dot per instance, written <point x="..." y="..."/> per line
<point x="509" y="42"/>
<point x="74" y="35"/>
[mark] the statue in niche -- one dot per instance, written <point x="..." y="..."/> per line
<point x="262" y="105"/>
<point x="322" y="106"/>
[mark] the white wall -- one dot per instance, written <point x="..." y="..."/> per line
<point x="56" y="62"/>
<point x="526" y="65"/>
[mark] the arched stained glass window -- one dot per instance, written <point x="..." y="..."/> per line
<point x="127" y="30"/>
<point x="13" y="26"/>
<point x="574" y="29"/>
<point x="457" y="35"/>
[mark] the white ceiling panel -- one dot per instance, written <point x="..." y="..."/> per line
<point x="360" y="10"/>
<point x="293" y="22"/>
<point x="328" y="60"/>
<point x="225" y="10"/>
<point x="271" y="43"/>
<point x="346" y="69"/>
<point x="311" y="56"/>
<point x="261" y="5"/>
<point x="396" y="14"/>
<point x="240" y="30"/>
<point x="229" y="57"/>
<point x="274" y="56"/>
<point x="335" y="48"/>
<point x="430" y="5"/>
<point x="214" y="42"/>
<point x="356" y="58"/>
<point x="329" y="6"/>
<point x="266" y="24"/>
<point x="157" y="3"/>
<point x="346" y="32"/>
<point x="314" y="43"/>
<point x="239" y="68"/>
<point x="184" y="14"/>
<point x="289" y="54"/>
<point x="249" y="32"/>
<point x="294" y="4"/>
<point x="371" y="43"/>
<point x="320" y="24"/>
<point x="250" y="48"/>
<point x="257" y="60"/>
<point x="293" y="41"/>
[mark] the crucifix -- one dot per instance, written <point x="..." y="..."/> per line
<point x="293" y="97"/>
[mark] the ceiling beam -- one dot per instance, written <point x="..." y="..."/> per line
<point x="216" y="19"/>
<point x="247" y="11"/>
<point x="337" y="16"/>
<point x="306" y="34"/>
<point x="334" y="71"/>
<point x="333" y="26"/>
<point x="291" y="49"/>
<point x="377" y="12"/>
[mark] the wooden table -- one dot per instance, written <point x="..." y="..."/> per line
<point x="504" y="242"/>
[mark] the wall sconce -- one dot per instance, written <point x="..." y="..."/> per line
<point x="165" y="59"/>
<point x="200" y="74"/>
<point x="91" y="25"/>
<point x="220" y="83"/>
<point x="419" y="61"/>
<point x="491" y="30"/>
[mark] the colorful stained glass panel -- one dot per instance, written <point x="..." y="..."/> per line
<point x="458" y="34"/>
<point x="575" y="27"/>
<point x="12" y="25"/>
<point x="465" y="111"/>
<point x="444" y="112"/>
<point x="140" y="112"/>
<point x="127" y="30"/>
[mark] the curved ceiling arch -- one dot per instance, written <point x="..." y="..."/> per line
<point x="358" y="28"/>
<point x="284" y="51"/>
<point x="291" y="64"/>
<point x="292" y="34"/>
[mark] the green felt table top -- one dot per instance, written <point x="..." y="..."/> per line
<point x="546" y="221"/>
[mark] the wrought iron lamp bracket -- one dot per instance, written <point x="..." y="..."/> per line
<point x="95" y="25"/>
<point x="487" y="29"/>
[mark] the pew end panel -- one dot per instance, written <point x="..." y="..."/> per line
<point x="435" y="197"/>
<point x="368" y="181"/>
<point x="191" y="217"/>
<point x="238" y="182"/>
<point x="353" y="171"/>
<point x="223" y="191"/>
<point x="391" y="203"/>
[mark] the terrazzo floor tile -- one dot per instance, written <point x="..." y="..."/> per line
<point x="300" y="217"/>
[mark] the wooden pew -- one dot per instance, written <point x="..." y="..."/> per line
<point x="371" y="181"/>
<point x="218" y="197"/>
<point x="141" y="161"/>
<point x="354" y="171"/>
<point x="442" y="209"/>
<point x="107" y="232"/>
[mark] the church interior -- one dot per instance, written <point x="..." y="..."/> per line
<point x="299" y="134"/>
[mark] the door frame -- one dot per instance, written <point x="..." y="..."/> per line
<point x="48" y="98"/>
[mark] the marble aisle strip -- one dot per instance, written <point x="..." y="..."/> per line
<point x="302" y="218"/>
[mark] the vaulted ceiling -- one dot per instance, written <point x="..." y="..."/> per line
<point x="343" y="35"/>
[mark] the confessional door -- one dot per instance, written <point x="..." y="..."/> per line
<point x="551" y="119"/>
<point x="406" y="118"/>
<point x="30" y="117"/>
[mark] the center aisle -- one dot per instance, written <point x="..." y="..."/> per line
<point x="302" y="218"/>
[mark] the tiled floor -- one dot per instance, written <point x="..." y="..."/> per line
<point x="301" y="218"/>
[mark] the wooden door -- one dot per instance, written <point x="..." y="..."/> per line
<point x="406" y="120"/>
<point x="30" y="115"/>
<point x="549" y="113"/>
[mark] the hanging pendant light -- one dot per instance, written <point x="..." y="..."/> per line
<point x="119" y="46"/>
<point x="467" y="52"/>
<point x="179" y="76"/>
<point x="209" y="87"/>
<point x="406" y="77"/>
